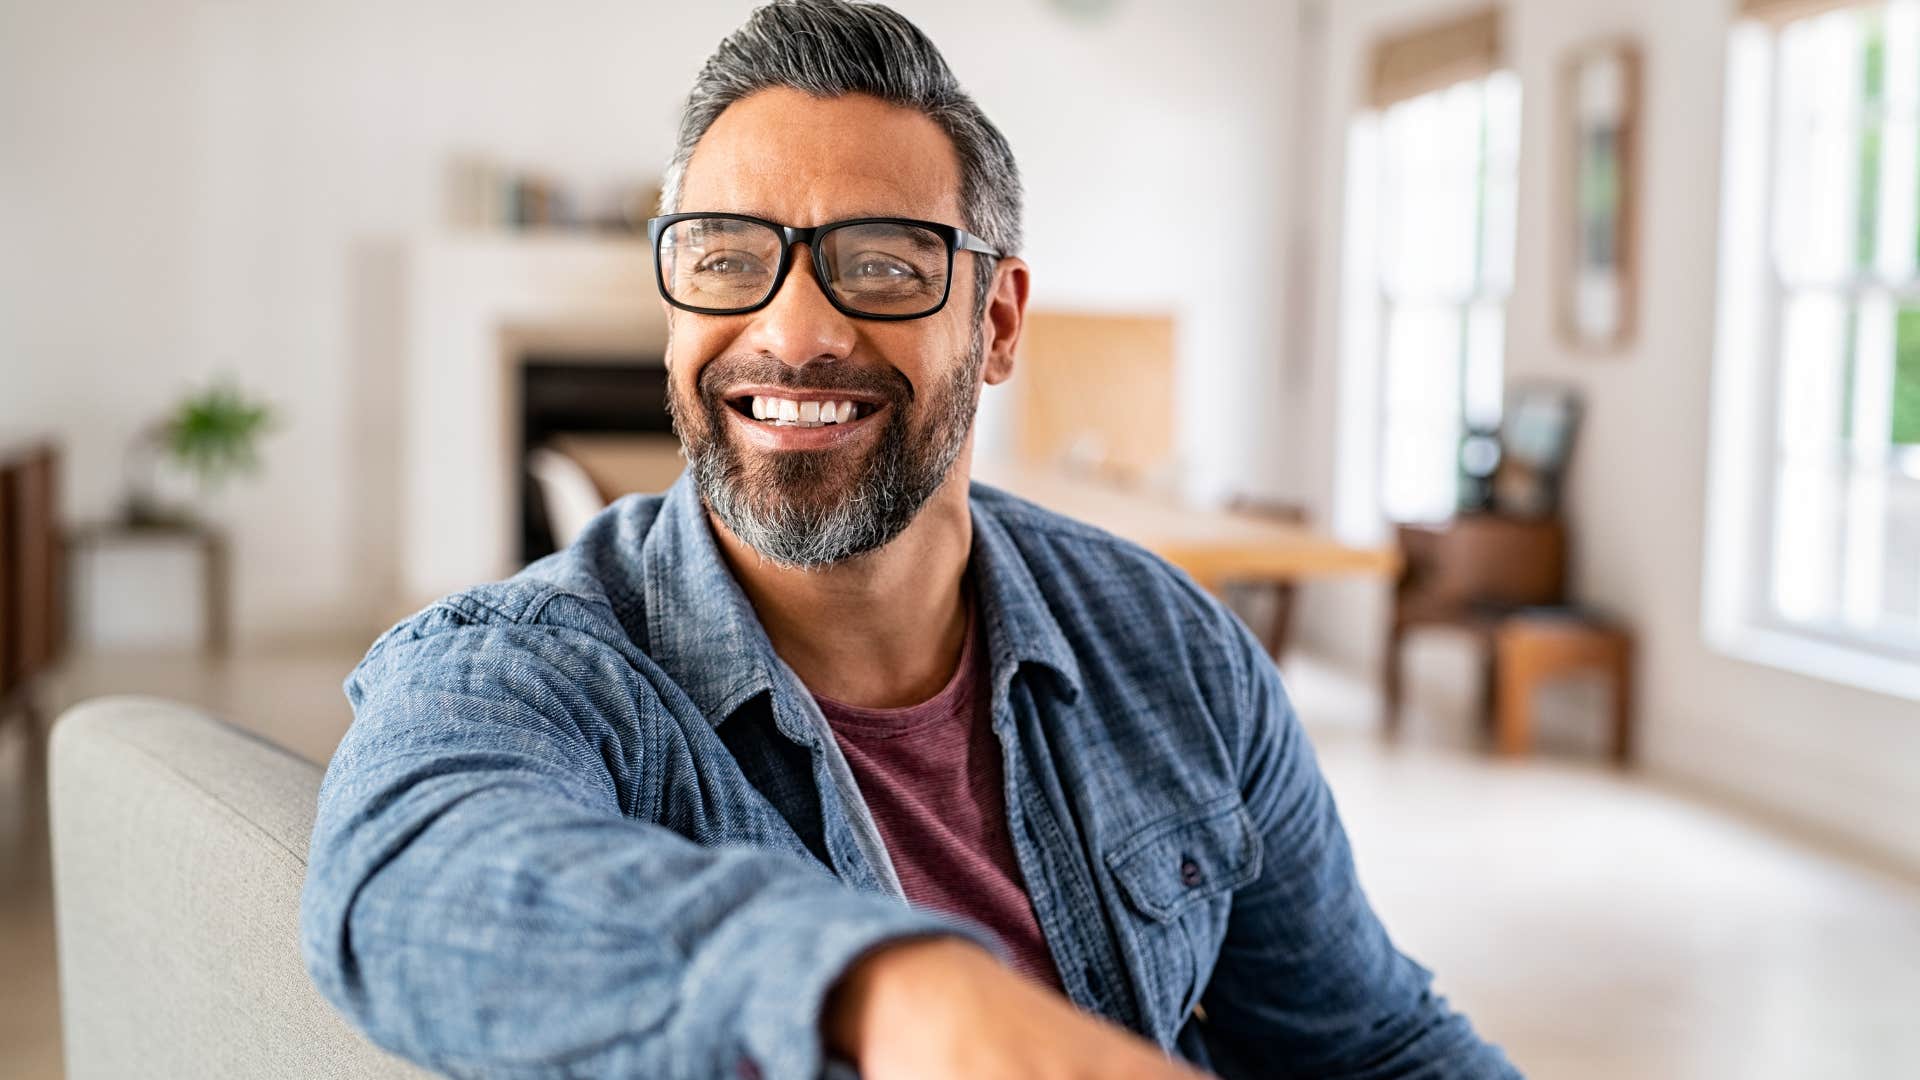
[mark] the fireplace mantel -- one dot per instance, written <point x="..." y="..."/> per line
<point x="475" y="304"/>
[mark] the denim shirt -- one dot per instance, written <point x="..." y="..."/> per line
<point x="586" y="823"/>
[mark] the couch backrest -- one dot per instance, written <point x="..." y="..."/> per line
<point x="179" y="849"/>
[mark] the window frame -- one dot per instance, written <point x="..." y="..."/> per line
<point x="1361" y="510"/>
<point x="1746" y="452"/>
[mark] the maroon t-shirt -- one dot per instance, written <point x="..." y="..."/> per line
<point x="931" y="777"/>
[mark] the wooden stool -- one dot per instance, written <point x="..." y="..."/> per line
<point x="1532" y="649"/>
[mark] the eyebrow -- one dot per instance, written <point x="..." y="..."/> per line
<point x="924" y="241"/>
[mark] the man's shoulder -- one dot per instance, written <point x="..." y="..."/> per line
<point x="1067" y="553"/>
<point x="589" y="591"/>
<point x="1169" y="669"/>
<point x="1109" y="595"/>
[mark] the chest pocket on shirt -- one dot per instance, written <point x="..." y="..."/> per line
<point x="1179" y="874"/>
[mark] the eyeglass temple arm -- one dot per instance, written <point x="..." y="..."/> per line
<point x="966" y="241"/>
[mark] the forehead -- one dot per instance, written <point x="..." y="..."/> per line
<point x="801" y="160"/>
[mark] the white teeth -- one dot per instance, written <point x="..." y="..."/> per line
<point x="787" y="411"/>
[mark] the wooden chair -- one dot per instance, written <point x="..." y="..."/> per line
<point x="1277" y="596"/>
<point x="1469" y="574"/>
<point x="1531" y="649"/>
<point x="1503" y="580"/>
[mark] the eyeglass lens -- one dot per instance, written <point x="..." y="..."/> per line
<point x="879" y="268"/>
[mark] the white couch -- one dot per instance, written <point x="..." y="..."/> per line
<point x="179" y="848"/>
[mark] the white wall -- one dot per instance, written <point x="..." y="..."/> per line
<point x="1844" y="760"/>
<point x="187" y="187"/>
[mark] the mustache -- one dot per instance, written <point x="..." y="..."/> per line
<point x="760" y="370"/>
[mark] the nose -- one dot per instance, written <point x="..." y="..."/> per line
<point x="800" y="326"/>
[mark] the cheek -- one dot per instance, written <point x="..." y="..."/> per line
<point x="683" y="379"/>
<point x="683" y="386"/>
<point x="686" y="355"/>
<point x="927" y="360"/>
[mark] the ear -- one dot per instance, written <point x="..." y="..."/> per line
<point x="1006" y="313"/>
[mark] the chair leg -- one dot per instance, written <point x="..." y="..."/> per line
<point x="1514" y="701"/>
<point x="1622" y="704"/>
<point x="1280" y="628"/>
<point x="1390" y="686"/>
<point x="1490" y="665"/>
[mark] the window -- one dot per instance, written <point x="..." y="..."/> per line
<point x="1818" y="412"/>
<point x="1429" y="265"/>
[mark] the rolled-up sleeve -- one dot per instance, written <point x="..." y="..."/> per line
<point x="487" y="897"/>
<point x="1308" y="982"/>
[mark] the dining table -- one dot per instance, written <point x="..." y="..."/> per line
<point x="1213" y="544"/>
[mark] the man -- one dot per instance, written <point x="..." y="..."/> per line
<point x="826" y="760"/>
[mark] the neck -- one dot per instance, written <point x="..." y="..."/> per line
<point x="882" y="630"/>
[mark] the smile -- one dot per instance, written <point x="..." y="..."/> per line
<point x="801" y="412"/>
<point x="801" y="420"/>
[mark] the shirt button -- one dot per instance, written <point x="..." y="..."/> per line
<point x="1093" y="980"/>
<point x="1190" y="873"/>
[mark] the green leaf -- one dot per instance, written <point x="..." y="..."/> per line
<point x="214" y="433"/>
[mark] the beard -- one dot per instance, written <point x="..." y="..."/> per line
<point x="809" y="509"/>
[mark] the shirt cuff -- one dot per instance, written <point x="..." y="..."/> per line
<point x="779" y="990"/>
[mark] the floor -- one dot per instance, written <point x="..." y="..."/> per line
<point x="1597" y="925"/>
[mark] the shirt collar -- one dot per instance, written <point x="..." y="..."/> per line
<point x="1020" y="625"/>
<point x="701" y="629"/>
<point x="703" y="632"/>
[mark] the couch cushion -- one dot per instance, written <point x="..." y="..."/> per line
<point x="179" y="850"/>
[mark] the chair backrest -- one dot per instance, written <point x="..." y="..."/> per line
<point x="179" y="851"/>
<point x="1485" y="559"/>
<point x="1270" y="509"/>
<point x="567" y="491"/>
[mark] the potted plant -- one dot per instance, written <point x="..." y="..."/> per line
<point x="210" y="436"/>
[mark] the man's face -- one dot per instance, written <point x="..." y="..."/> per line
<point x="807" y="495"/>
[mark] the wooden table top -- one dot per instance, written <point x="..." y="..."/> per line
<point x="1211" y="545"/>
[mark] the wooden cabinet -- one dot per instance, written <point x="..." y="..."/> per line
<point x="31" y="572"/>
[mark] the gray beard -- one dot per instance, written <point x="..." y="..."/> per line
<point x="801" y="509"/>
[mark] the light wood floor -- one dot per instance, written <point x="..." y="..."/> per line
<point x="1596" y="925"/>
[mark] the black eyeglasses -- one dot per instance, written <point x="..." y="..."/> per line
<point x="870" y="268"/>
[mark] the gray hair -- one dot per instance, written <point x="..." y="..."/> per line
<point x="831" y="48"/>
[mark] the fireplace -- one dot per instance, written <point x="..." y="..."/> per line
<point x="473" y="311"/>
<point x="571" y="396"/>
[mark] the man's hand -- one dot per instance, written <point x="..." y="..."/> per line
<point x="942" y="1008"/>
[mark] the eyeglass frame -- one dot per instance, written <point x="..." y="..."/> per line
<point x="957" y="239"/>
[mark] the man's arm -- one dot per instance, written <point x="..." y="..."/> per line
<point x="946" y="1010"/>
<point x="1308" y="982"/>
<point x="478" y="902"/>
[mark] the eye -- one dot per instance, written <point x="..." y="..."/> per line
<point x="728" y="263"/>
<point x="873" y="267"/>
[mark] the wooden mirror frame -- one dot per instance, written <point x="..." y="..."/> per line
<point x="1614" y="278"/>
